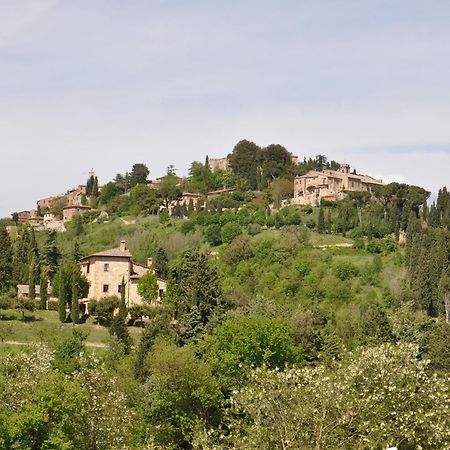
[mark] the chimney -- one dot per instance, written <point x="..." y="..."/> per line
<point x="123" y="245"/>
<point x="149" y="262"/>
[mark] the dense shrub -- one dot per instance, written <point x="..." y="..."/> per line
<point x="345" y="270"/>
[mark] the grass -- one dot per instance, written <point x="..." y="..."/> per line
<point x="328" y="239"/>
<point x="44" y="326"/>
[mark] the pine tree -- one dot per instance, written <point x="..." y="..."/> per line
<point x="6" y="253"/>
<point x="321" y="221"/>
<point x="75" y="308"/>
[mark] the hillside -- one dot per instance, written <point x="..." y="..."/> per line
<point x="267" y="315"/>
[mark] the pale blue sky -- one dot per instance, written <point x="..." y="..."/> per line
<point x="105" y="83"/>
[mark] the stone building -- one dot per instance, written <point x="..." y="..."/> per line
<point x="105" y="271"/>
<point x="218" y="164"/>
<point x="74" y="195"/>
<point x="311" y="188"/>
<point x="70" y="211"/>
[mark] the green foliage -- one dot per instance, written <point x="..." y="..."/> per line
<point x="195" y="292"/>
<point x="148" y="287"/>
<point x="345" y="270"/>
<point x="161" y="263"/>
<point x="181" y="395"/>
<point x="119" y="330"/>
<point x="213" y="234"/>
<point x="229" y="231"/>
<point x="68" y="352"/>
<point x="250" y="342"/>
<point x="6" y="253"/>
<point x="103" y="309"/>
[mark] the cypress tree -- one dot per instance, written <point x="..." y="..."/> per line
<point x="321" y="221"/>
<point x="161" y="263"/>
<point x="190" y="208"/>
<point x="6" y="253"/>
<point x="76" y="254"/>
<point x="329" y="221"/>
<point x="62" y="296"/>
<point x="43" y="289"/>
<point x="75" y="308"/>
<point x="32" y="277"/>
<point x="122" y="304"/>
<point x="119" y="330"/>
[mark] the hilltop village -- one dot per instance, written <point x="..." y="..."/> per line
<point x="326" y="182"/>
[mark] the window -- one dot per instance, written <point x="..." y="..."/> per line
<point x="118" y="289"/>
<point x="106" y="267"/>
<point x="105" y="288"/>
<point x="88" y="268"/>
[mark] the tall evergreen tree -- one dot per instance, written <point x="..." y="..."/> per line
<point x="76" y="254"/>
<point x="329" y="221"/>
<point x="161" y="263"/>
<point x="321" y="221"/>
<point x="50" y="254"/>
<point x="122" y="305"/>
<point x="194" y="286"/>
<point x="62" y="300"/>
<point x="6" y="253"/>
<point x="75" y="307"/>
<point x="43" y="289"/>
<point x="32" y="277"/>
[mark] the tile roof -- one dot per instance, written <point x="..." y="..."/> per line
<point x="113" y="252"/>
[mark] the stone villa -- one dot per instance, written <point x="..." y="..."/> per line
<point x="311" y="188"/>
<point x="105" y="271"/>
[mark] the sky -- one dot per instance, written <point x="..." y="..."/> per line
<point x="103" y="84"/>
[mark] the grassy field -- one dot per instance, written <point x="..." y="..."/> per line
<point x="44" y="326"/>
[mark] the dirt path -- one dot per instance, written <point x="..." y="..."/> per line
<point x="342" y="245"/>
<point x="88" y="344"/>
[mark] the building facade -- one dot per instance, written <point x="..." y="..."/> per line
<point x="70" y="211"/>
<point x="311" y="188"/>
<point x="106" y="270"/>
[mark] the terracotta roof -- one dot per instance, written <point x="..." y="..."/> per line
<point x="77" y="207"/>
<point x="113" y="253"/>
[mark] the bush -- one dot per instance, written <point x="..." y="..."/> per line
<point x="374" y="246"/>
<point x="239" y="250"/>
<point x="253" y="229"/>
<point x="103" y="310"/>
<point x="187" y="226"/>
<point x="230" y="231"/>
<point x="52" y="305"/>
<point x="213" y="234"/>
<point x="7" y="302"/>
<point x="345" y="270"/>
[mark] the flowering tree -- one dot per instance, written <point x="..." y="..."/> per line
<point x="381" y="398"/>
